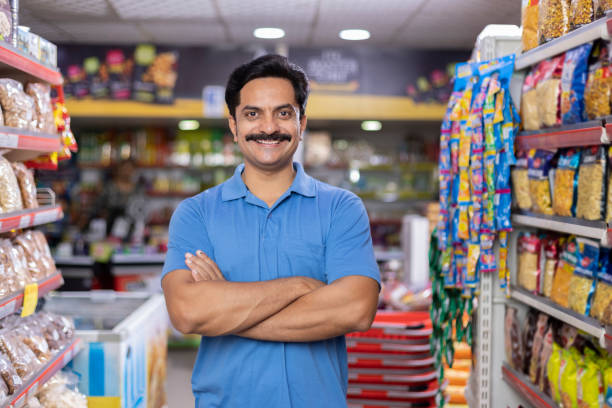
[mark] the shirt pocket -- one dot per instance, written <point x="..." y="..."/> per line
<point x="302" y="259"/>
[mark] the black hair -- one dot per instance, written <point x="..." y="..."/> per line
<point x="271" y="65"/>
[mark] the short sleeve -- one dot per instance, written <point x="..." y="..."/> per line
<point x="349" y="243"/>
<point x="187" y="233"/>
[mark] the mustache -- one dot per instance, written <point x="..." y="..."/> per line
<point x="276" y="136"/>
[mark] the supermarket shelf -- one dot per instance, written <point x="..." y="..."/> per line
<point x="30" y="218"/>
<point x="568" y="225"/>
<point x="581" y="322"/>
<point x="384" y="256"/>
<point x="12" y="303"/>
<point x="59" y="361"/>
<point x="598" y="29"/>
<point x="15" y="64"/>
<point x="138" y="259"/>
<point x="170" y="194"/>
<point x="321" y="106"/>
<point x="581" y="134"/>
<point x="117" y="259"/>
<point x="143" y="167"/>
<point x="26" y="144"/>
<point x="521" y="384"/>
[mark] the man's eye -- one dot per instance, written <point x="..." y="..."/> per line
<point x="285" y="114"/>
<point x="251" y="114"/>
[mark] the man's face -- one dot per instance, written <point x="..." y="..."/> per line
<point x="268" y="126"/>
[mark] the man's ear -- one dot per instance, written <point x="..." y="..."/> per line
<point x="303" y="121"/>
<point x="231" y="121"/>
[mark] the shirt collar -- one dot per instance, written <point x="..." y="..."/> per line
<point x="235" y="188"/>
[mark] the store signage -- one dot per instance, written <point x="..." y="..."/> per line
<point x="213" y="98"/>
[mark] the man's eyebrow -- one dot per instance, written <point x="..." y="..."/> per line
<point x="251" y="107"/>
<point x="285" y="106"/>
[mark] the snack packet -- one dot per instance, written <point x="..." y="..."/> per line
<point x="568" y="383"/>
<point x="563" y="274"/>
<point x="529" y="22"/>
<point x="603" y="291"/>
<point x="529" y="262"/>
<point x="573" y="82"/>
<point x="551" y="258"/>
<point x="540" y="162"/>
<point x="553" y="19"/>
<point x="513" y="344"/>
<point x="548" y="91"/>
<point x="582" y="284"/>
<point x="564" y="195"/>
<point x="597" y="92"/>
<point x="520" y="181"/>
<point x="529" y="101"/>
<point x="554" y="370"/>
<point x="580" y="13"/>
<point x="538" y="340"/>
<point x="591" y="187"/>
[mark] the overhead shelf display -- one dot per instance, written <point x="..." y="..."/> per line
<point x="15" y="64"/>
<point x="581" y="134"/>
<point x="523" y="386"/>
<point x="57" y="362"/>
<point x="590" y="32"/>
<point x="27" y="144"/>
<point x="12" y="303"/>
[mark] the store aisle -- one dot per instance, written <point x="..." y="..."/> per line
<point x="180" y="364"/>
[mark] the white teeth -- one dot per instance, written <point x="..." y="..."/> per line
<point x="268" y="142"/>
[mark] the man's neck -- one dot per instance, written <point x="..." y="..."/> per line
<point x="268" y="186"/>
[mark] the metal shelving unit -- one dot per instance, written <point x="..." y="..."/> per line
<point x="57" y="362"/>
<point x="567" y="225"/>
<point x="521" y="384"/>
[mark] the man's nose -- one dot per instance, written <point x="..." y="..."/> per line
<point x="270" y="125"/>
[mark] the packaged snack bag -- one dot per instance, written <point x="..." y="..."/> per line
<point x="563" y="274"/>
<point x="540" y="163"/>
<point x="590" y="204"/>
<point x="529" y="22"/>
<point x="582" y="284"/>
<point x="529" y="262"/>
<point x="573" y="82"/>
<point x="548" y="91"/>
<point x="520" y="181"/>
<point x="553" y="19"/>
<point x="566" y="176"/>
<point x="597" y="92"/>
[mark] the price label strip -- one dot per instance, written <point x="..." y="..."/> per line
<point x="30" y="299"/>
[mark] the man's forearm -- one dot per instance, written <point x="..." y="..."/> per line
<point x="215" y="308"/>
<point x="346" y="305"/>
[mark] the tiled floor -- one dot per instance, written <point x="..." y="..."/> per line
<point x="180" y="364"/>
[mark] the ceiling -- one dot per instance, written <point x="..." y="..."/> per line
<point x="431" y="24"/>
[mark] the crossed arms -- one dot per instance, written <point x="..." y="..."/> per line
<point x="294" y="309"/>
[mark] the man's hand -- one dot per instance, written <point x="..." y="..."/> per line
<point x="202" y="267"/>
<point x="205" y="269"/>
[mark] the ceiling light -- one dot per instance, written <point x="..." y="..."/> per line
<point x="354" y="34"/>
<point x="371" y="125"/>
<point x="269" y="32"/>
<point x="189" y="125"/>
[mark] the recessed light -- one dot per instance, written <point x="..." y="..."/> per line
<point x="269" y="32"/>
<point x="354" y="34"/>
<point x="189" y="125"/>
<point x="371" y="125"/>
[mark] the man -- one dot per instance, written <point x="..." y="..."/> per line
<point x="271" y="267"/>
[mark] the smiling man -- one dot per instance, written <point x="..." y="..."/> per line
<point x="271" y="267"/>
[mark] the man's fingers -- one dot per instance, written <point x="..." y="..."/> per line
<point x="201" y="255"/>
<point x="200" y="267"/>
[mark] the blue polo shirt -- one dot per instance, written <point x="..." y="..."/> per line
<point x="314" y="230"/>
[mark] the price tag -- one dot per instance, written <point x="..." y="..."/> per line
<point x="9" y="140"/>
<point x="30" y="299"/>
